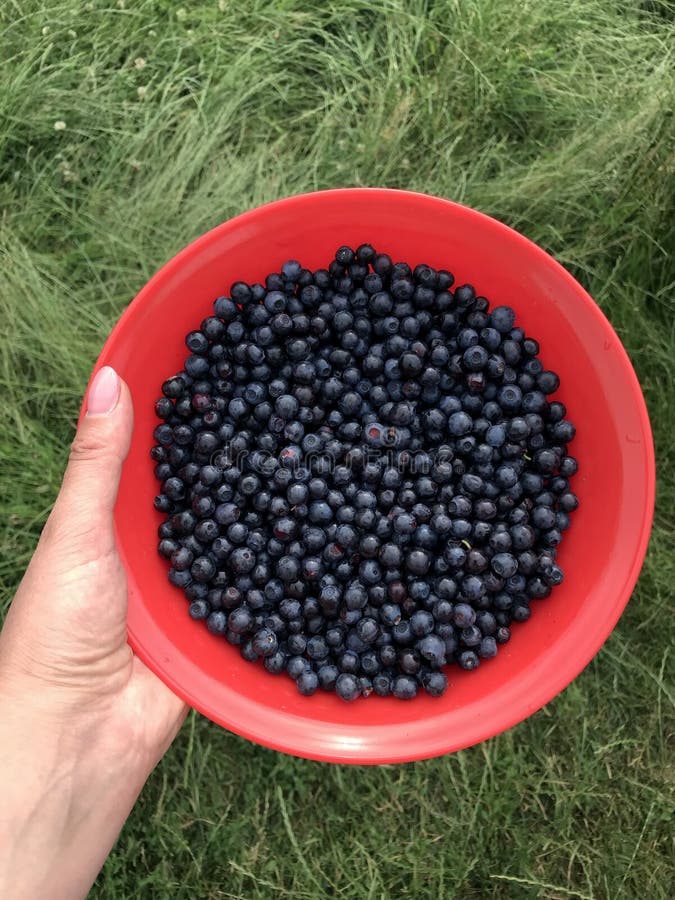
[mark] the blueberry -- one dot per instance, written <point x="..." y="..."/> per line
<point x="335" y="636"/>
<point x="347" y="687"/>
<point x="181" y="557"/>
<point x="554" y="575"/>
<point x="510" y="397"/>
<point x="443" y="609"/>
<point x="247" y="651"/>
<point x="225" y="309"/>
<point x="405" y="523"/>
<point x="242" y="560"/>
<point x="455" y="556"/>
<point x="522" y="537"/>
<point x="307" y="683"/>
<point x="217" y="622"/>
<point x="265" y="642"/>
<point x="296" y="643"/>
<point x="568" y="466"/>
<point x="401" y="633"/>
<point x="421" y="623"/>
<point x="240" y="620"/>
<point x="463" y="615"/>
<point x="495" y="436"/>
<point x="291" y="270"/>
<point x="404" y="687"/>
<point x="276" y="663"/>
<point x="199" y="609"/>
<point x="486" y="622"/>
<point x="275" y="302"/>
<point x="167" y="547"/>
<point x="487" y="648"/>
<point x="370" y="663"/>
<point x="459" y="424"/>
<point x="548" y="382"/>
<point x="471" y="636"/>
<point x="417" y="562"/>
<point x="475" y="358"/>
<point x="468" y="660"/>
<point x="370" y="572"/>
<point x="388" y="654"/>
<point x="327" y="676"/>
<point x="502" y="319"/>
<point x="568" y="502"/>
<point x="432" y="648"/>
<point x="382" y="684"/>
<point x="472" y="587"/>
<point x="435" y="683"/>
<point x="320" y="513"/>
<point x="504" y="564"/>
<point x="520" y="612"/>
<point x="297" y="666"/>
<point x="390" y="614"/>
<point x="241" y="292"/>
<point x="286" y="406"/>
<point x="203" y="569"/>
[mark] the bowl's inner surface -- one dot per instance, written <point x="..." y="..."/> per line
<point x="600" y="554"/>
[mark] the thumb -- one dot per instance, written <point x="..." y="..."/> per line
<point x="82" y="518"/>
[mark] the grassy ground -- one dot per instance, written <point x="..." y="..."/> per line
<point x="128" y="128"/>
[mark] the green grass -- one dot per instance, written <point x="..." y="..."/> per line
<point x="555" y="117"/>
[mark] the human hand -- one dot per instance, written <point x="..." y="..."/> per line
<point x="82" y="720"/>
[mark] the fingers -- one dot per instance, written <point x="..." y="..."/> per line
<point x="82" y="518"/>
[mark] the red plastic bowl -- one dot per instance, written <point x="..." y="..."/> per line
<point x="601" y="554"/>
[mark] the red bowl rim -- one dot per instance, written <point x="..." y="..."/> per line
<point x="424" y="743"/>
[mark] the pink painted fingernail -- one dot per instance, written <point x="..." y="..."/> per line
<point x="104" y="392"/>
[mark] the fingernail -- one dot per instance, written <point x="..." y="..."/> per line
<point x="104" y="392"/>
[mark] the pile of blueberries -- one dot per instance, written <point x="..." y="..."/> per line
<point x="362" y="476"/>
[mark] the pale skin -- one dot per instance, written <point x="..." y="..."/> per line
<point x="82" y="721"/>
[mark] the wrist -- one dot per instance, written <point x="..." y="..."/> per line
<point x="68" y="785"/>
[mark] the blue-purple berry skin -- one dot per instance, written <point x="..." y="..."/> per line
<point x="290" y="530"/>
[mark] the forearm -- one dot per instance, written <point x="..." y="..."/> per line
<point x="62" y="806"/>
